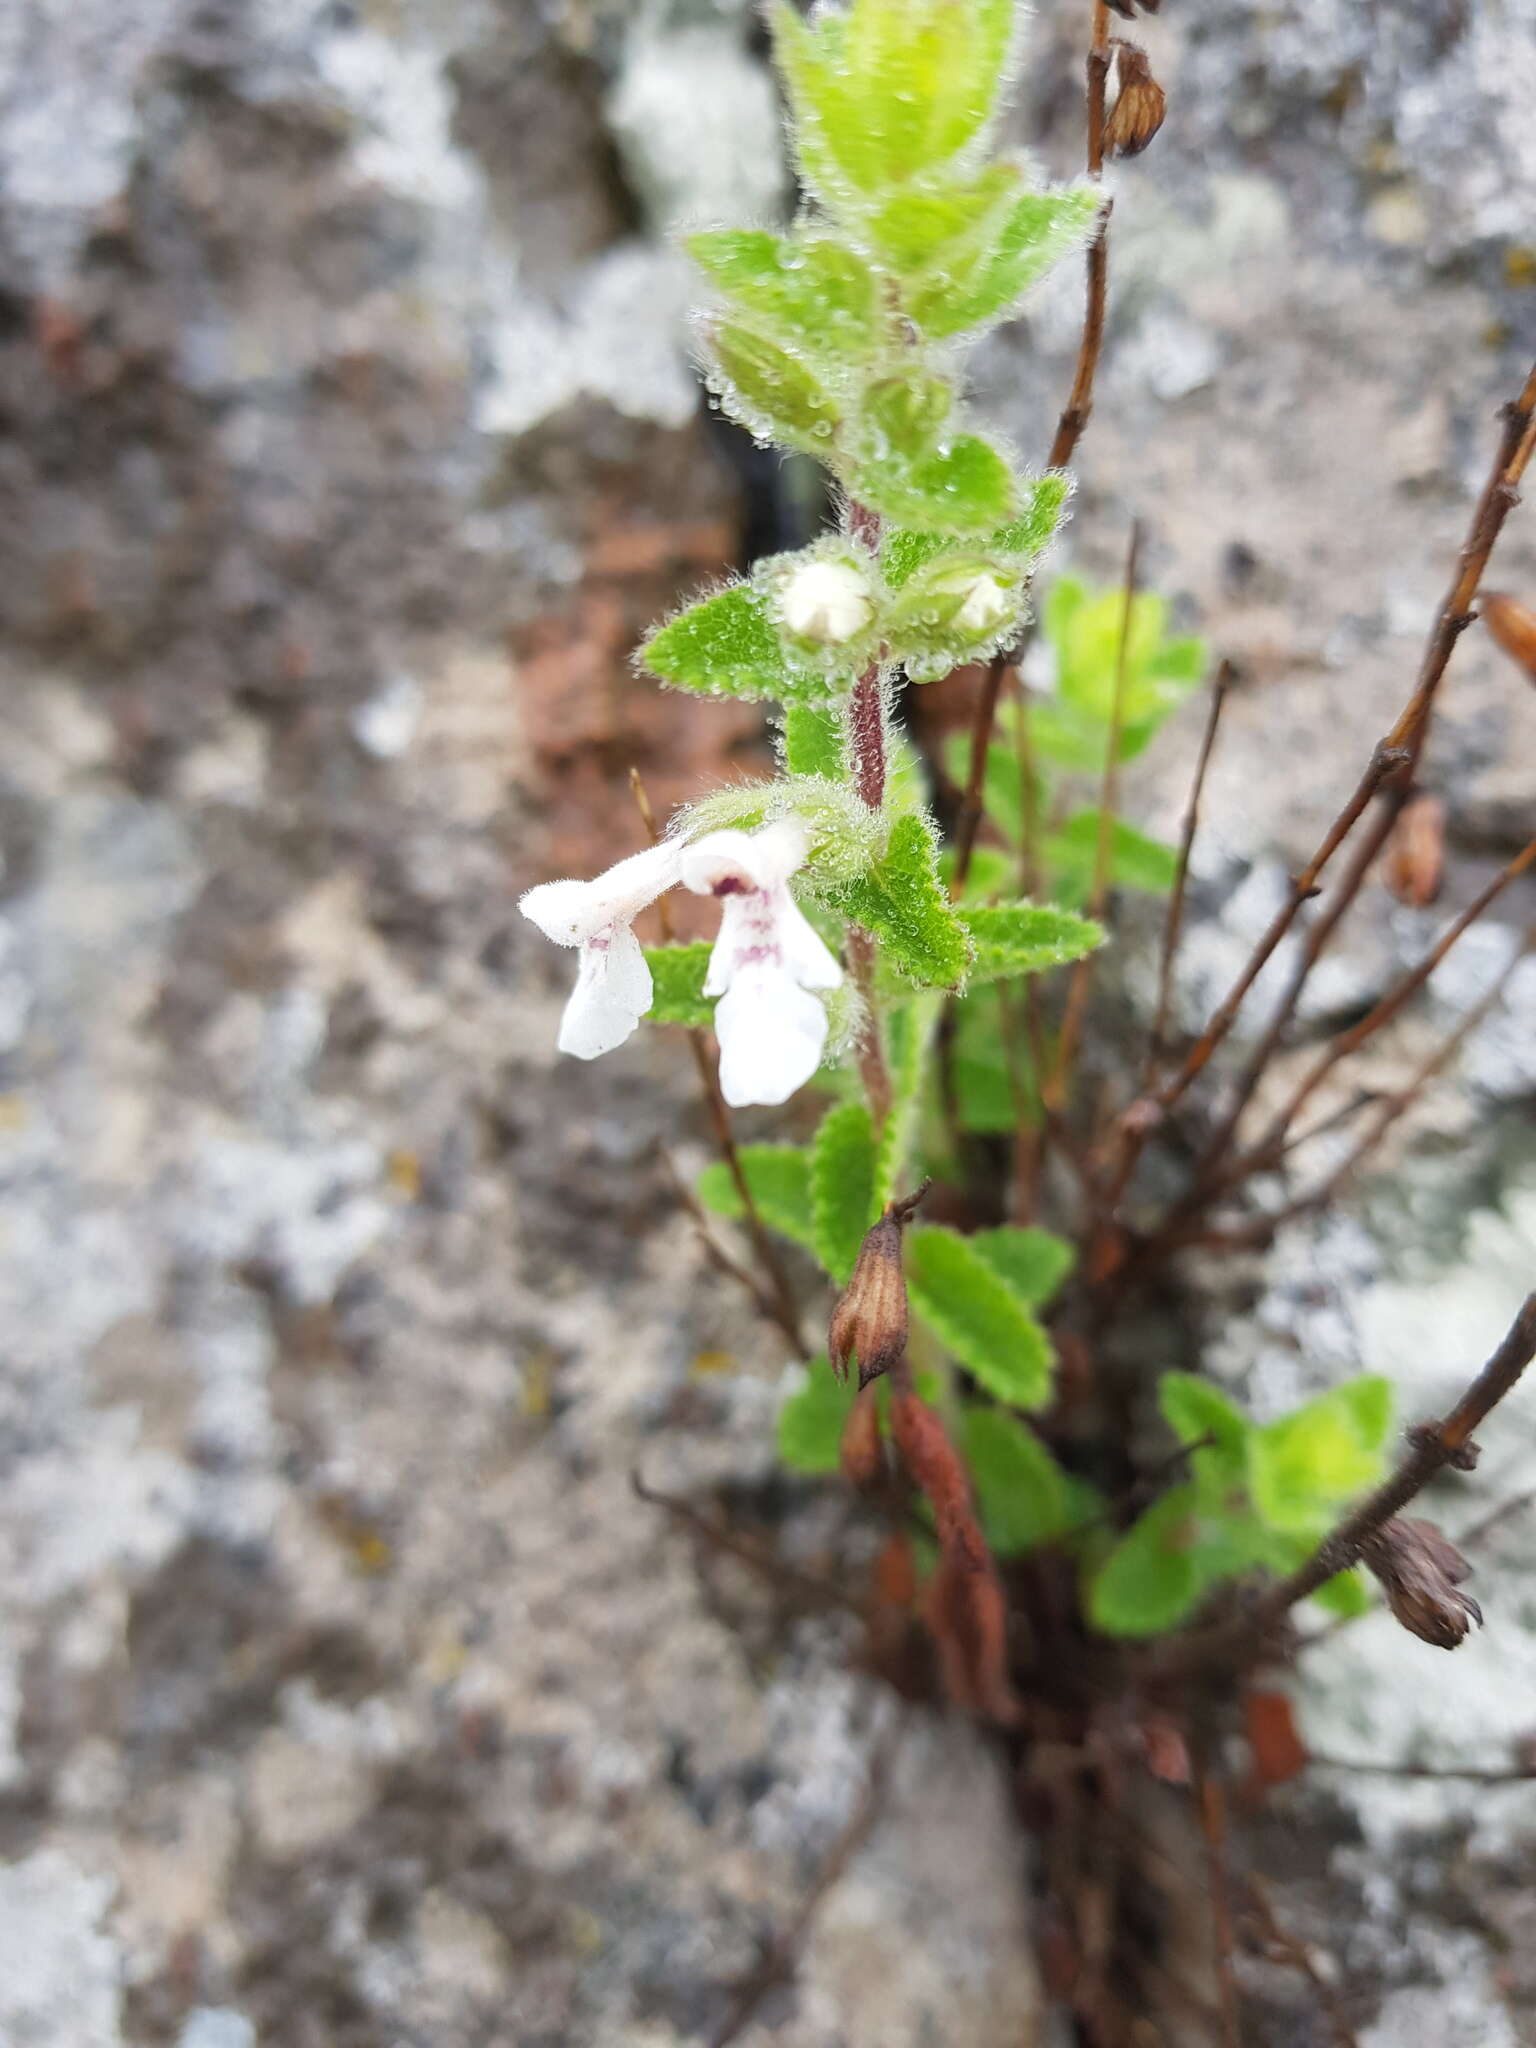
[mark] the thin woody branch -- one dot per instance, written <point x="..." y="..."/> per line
<point x="1382" y="1013"/>
<point x="1397" y="755"/>
<point x="1174" y="923"/>
<point x="1388" y="1110"/>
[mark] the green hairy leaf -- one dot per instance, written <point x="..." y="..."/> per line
<point x="965" y="487"/>
<point x="978" y="1317"/>
<point x="903" y="415"/>
<point x="1346" y="1594"/>
<point x="986" y="1099"/>
<point x="813" y="741"/>
<point x="779" y="1177"/>
<point x="677" y="973"/>
<point x="1033" y="1262"/>
<point x="1150" y="1580"/>
<point x="1135" y="861"/>
<point x="919" y="227"/>
<point x="1302" y="1467"/>
<point x="902" y="901"/>
<point x="1020" y="1489"/>
<point x="1022" y="237"/>
<point x="890" y="88"/>
<point x="908" y="1031"/>
<point x="773" y="393"/>
<point x="1193" y="1409"/>
<point x="903" y="551"/>
<point x="844" y="1186"/>
<point x="724" y="647"/>
<point x="808" y="291"/>
<point x="1084" y="628"/>
<point x="811" y="1420"/>
<point x="1024" y="938"/>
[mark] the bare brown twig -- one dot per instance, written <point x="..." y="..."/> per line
<point x="768" y="1564"/>
<point x="779" y="1960"/>
<point x="1174" y="923"/>
<point x="1213" y="1826"/>
<point x="1392" y="765"/>
<point x="719" y="1257"/>
<point x="1388" y="1110"/>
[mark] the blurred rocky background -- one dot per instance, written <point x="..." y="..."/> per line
<point x="348" y="439"/>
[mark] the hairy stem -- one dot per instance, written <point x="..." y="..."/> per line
<point x="866" y="745"/>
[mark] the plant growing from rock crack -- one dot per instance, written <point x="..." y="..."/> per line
<point x="969" y="1388"/>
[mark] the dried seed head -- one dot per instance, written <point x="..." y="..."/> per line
<point x="1416" y="852"/>
<point x="1513" y="625"/>
<point x="861" y="1453"/>
<point x="1139" y="107"/>
<point x="1421" y="1573"/>
<point x="869" y="1319"/>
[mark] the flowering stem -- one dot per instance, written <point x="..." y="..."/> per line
<point x="866" y="746"/>
<point x="780" y="1302"/>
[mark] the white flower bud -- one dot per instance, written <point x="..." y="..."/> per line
<point x="986" y="605"/>
<point x="828" y="602"/>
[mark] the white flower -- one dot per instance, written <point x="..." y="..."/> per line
<point x="828" y="602"/>
<point x="986" y="605"/>
<point x="765" y="963"/>
<point x="613" y="984"/>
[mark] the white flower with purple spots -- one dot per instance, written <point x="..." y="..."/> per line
<point x="766" y="962"/>
<point x="613" y="984"/>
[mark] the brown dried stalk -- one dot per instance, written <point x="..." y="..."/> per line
<point x="766" y="1304"/>
<point x="778" y="1961"/>
<point x="1394" y="761"/>
<point x="1432" y="1447"/>
<point x="1213" y="1827"/>
<point x="1388" y="1109"/>
<point x="1267" y="1149"/>
<point x="1174" y="923"/>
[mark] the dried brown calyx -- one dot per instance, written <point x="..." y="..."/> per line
<point x="1415" y="860"/>
<point x="1420" y="1572"/>
<point x="861" y="1453"/>
<point x="1513" y="625"/>
<point x="869" y="1319"/>
<point x="1139" y="106"/>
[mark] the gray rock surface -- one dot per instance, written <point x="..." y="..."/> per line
<point x="347" y="1693"/>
